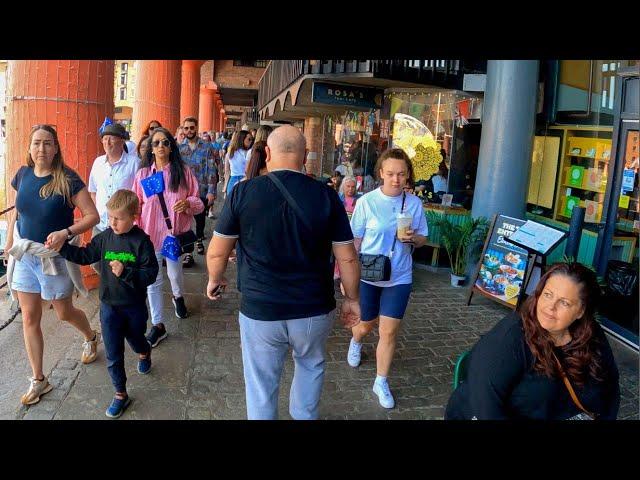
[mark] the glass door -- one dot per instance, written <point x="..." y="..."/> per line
<point x="619" y="306"/>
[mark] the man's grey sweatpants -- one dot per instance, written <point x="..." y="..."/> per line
<point x="264" y="346"/>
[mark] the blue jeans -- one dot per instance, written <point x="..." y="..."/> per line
<point x="118" y="323"/>
<point x="264" y="346"/>
<point x="233" y="180"/>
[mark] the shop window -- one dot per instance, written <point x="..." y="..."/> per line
<point x="438" y="127"/>
<point x="628" y="217"/>
<point x="586" y="91"/>
<point x="570" y="166"/>
<point x="571" y="160"/>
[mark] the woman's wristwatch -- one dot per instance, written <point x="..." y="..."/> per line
<point x="70" y="234"/>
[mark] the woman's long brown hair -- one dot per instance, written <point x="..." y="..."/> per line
<point x="258" y="160"/>
<point x="582" y="353"/>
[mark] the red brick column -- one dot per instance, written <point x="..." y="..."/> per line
<point x="158" y="84"/>
<point x="190" y="88"/>
<point x="223" y="119"/>
<point x="205" y="121"/>
<point x="313" y="135"/>
<point x="72" y="95"/>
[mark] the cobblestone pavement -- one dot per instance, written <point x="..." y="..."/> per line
<point x="197" y="370"/>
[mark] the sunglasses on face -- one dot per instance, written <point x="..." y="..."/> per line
<point x="152" y="128"/>
<point x="189" y="128"/>
<point x="156" y="143"/>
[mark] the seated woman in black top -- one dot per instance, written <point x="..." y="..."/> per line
<point x="513" y="372"/>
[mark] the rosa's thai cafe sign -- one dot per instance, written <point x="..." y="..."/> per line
<point x="502" y="270"/>
<point x="346" y="95"/>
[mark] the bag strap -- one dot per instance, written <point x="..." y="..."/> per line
<point x="572" y="393"/>
<point x="395" y="237"/>
<point x="290" y="200"/>
<point x="163" y="206"/>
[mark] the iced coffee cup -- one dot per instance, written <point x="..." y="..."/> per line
<point x="404" y="224"/>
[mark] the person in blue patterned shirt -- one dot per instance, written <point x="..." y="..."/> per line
<point x="200" y="157"/>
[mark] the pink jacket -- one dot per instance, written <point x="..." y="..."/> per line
<point x="151" y="218"/>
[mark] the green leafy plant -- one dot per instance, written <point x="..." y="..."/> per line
<point x="570" y="259"/>
<point x="458" y="239"/>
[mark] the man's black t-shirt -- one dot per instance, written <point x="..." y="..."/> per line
<point x="285" y="270"/>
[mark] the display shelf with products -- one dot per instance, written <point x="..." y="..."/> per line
<point x="584" y="171"/>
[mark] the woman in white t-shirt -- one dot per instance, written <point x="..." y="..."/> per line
<point x="374" y="224"/>
<point x="235" y="162"/>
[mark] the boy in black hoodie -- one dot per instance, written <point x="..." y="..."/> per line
<point x="128" y="266"/>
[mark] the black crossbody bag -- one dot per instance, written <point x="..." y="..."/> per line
<point x="377" y="268"/>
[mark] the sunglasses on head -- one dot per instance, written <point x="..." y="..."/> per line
<point x="165" y="142"/>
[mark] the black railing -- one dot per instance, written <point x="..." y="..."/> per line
<point x="278" y="75"/>
<point x="442" y="73"/>
<point x="249" y="115"/>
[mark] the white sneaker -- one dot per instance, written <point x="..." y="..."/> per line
<point x="90" y="349"/>
<point x="353" y="356"/>
<point x="37" y="388"/>
<point x="384" y="394"/>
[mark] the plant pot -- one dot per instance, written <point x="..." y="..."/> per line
<point x="457" y="281"/>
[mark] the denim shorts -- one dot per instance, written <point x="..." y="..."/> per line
<point x="388" y="301"/>
<point x="29" y="278"/>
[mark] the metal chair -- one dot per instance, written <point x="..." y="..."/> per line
<point x="460" y="370"/>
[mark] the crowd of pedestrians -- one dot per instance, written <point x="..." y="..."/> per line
<point x="291" y="236"/>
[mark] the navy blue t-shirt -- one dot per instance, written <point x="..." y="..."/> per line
<point x="286" y="271"/>
<point x="37" y="216"/>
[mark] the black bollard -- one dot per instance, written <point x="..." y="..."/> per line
<point x="575" y="232"/>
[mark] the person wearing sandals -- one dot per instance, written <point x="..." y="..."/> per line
<point x="550" y="360"/>
<point x="199" y="155"/>
<point x="374" y="223"/>
<point x="47" y="194"/>
<point x="128" y="266"/>
<point x="181" y="195"/>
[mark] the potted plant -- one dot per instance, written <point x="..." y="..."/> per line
<point x="457" y="240"/>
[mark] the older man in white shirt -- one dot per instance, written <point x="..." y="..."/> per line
<point x="111" y="172"/>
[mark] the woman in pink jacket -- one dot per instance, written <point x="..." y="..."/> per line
<point x="183" y="202"/>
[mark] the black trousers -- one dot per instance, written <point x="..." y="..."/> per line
<point x="201" y="219"/>
<point x="120" y="323"/>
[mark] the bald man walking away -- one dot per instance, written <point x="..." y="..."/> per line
<point x="287" y="225"/>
